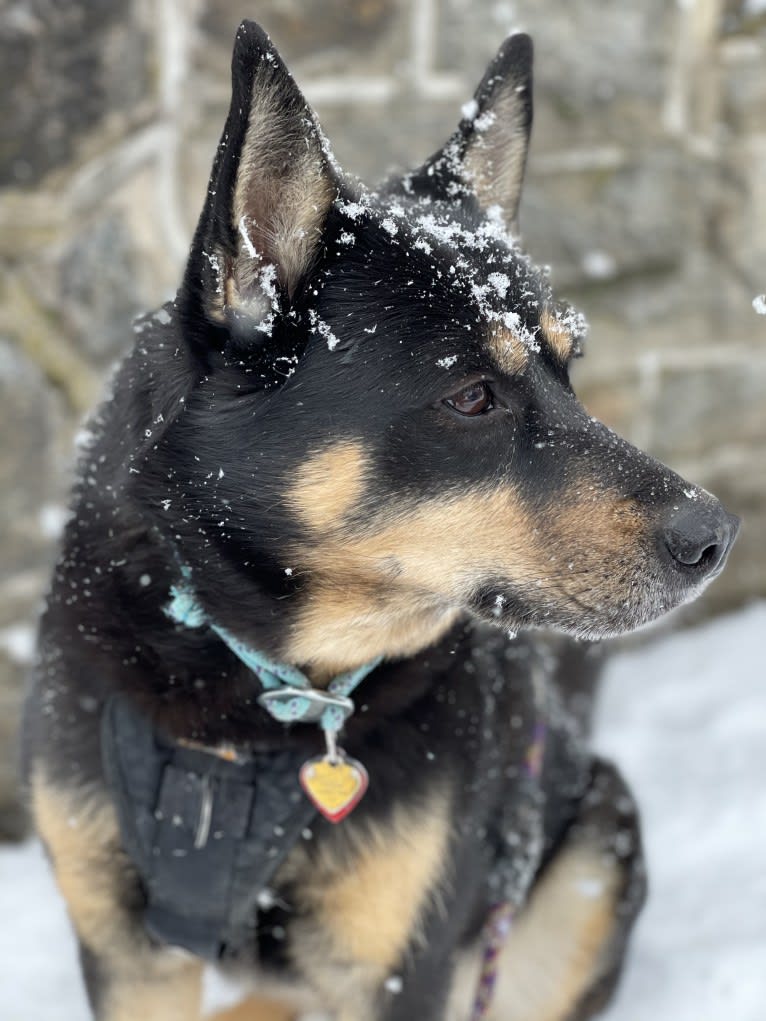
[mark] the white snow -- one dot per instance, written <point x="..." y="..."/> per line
<point x="686" y="720"/>
<point x="485" y="122"/>
<point x="599" y="265"/>
<point x="17" y="641"/>
<point x="249" y="246"/>
<point x="161" y="316"/>
<point x="447" y="362"/>
<point x="759" y="303"/>
<point x="318" y="325"/>
<point x="469" y="109"/>
<point x="51" y="518"/>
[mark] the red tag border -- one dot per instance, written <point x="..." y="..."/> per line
<point x="344" y="810"/>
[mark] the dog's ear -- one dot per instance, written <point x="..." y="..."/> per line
<point x="271" y="187"/>
<point x="487" y="155"/>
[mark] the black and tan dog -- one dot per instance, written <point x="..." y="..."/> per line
<point x="351" y="443"/>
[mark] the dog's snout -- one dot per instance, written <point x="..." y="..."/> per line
<point x="698" y="536"/>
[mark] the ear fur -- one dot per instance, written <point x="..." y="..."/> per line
<point x="497" y="138"/>
<point x="272" y="184"/>
<point x="487" y="155"/>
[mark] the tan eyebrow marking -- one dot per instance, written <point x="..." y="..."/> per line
<point x="508" y="350"/>
<point x="558" y="338"/>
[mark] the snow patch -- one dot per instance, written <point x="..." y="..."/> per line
<point x="252" y="251"/>
<point x="447" y="362"/>
<point x="759" y="303"/>
<point x="18" y="642"/>
<point x="52" y="517"/>
<point x="599" y="265"/>
<point x="485" y="122"/>
<point x="318" y="325"/>
<point x="469" y="109"/>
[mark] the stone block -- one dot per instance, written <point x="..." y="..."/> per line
<point x="97" y="290"/>
<point x="13" y="818"/>
<point x="598" y="225"/>
<point x="744" y="83"/>
<point x="700" y="411"/>
<point x="32" y="472"/>
<point x="64" y="69"/>
<point x="373" y="139"/>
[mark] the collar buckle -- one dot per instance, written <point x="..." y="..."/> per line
<point x="290" y="704"/>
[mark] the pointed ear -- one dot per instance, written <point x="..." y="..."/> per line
<point x="487" y="155"/>
<point x="271" y="188"/>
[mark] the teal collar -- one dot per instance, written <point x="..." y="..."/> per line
<point x="288" y="695"/>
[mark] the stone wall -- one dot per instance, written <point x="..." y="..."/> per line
<point x="646" y="192"/>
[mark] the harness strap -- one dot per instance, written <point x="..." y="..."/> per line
<point x="205" y="834"/>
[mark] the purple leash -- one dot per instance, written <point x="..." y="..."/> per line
<point x="500" y="918"/>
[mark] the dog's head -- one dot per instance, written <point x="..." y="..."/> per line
<point x="381" y="430"/>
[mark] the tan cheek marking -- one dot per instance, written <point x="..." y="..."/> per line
<point x="395" y="590"/>
<point x="329" y="484"/>
<point x="390" y="590"/>
<point x="557" y="336"/>
<point x="508" y="351"/>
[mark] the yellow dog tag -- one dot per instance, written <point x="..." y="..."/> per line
<point x="336" y="788"/>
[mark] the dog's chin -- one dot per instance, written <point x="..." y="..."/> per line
<point x="591" y="622"/>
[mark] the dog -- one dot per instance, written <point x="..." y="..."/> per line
<point x="345" y="461"/>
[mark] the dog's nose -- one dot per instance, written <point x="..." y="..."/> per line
<point x="698" y="536"/>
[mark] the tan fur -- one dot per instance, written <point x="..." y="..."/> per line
<point x="373" y="910"/>
<point x="255" y="1009"/>
<point x="366" y="900"/>
<point x="80" y="832"/>
<point x="329" y="485"/>
<point x="558" y="946"/>
<point x="393" y="586"/>
<point x="167" y="996"/>
<point x="508" y="351"/>
<point x="557" y="336"/>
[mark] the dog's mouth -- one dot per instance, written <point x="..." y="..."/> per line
<point x="611" y="599"/>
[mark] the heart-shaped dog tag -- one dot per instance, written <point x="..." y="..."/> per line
<point x="336" y="788"/>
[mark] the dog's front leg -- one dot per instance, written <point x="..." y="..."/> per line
<point x="127" y="979"/>
<point x="141" y="987"/>
<point x="565" y="951"/>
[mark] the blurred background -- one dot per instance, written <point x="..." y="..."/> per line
<point x="646" y="192"/>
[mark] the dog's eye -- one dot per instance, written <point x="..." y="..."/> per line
<point x="471" y="400"/>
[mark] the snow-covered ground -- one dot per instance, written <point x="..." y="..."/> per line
<point x="686" y="720"/>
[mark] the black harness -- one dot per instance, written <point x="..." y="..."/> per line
<point x="206" y="835"/>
